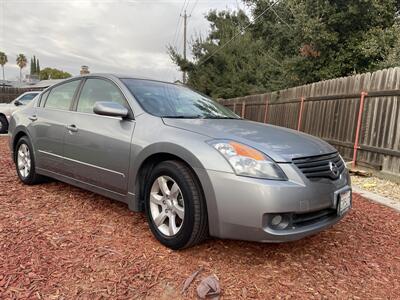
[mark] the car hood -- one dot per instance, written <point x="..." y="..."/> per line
<point x="279" y="143"/>
<point x="5" y="107"/>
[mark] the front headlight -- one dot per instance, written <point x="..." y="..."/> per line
<point x="247" y="161"/>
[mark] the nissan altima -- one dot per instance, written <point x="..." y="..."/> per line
<point x="193" y="166"/>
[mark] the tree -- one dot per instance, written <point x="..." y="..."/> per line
<point x="21" y="62"/>
<point x="320" y="39"/>
<point x="32" y="67"/>
<point x="51" y="73"/>
<point x="3" y="61"/>
<point x="243" y="67"/>
<point x="291" y="42"/>
<point x="37" y="67"/>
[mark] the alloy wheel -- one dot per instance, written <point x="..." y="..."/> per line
<point x="167" y="207"/>
<point x="24" y="160"/>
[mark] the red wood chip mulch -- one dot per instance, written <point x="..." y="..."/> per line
<point x="58" y="241"/>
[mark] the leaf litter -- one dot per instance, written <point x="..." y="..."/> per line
<point x="61" y="242"/>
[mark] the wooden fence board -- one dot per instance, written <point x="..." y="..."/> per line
<point x="7" y="93"/>
<point x="331" y="110"/>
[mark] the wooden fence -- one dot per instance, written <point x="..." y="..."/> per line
<point x="332" y="110"/>
<point x="7" y="93"/>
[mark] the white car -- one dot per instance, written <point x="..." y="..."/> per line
<point x="6" y="109"/>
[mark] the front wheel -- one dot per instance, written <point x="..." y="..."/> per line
<point x="175" y="206"/>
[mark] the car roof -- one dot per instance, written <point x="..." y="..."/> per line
<point x="31" y="92"/>
<point x="111" y="76"/>
<point x="122" y="76"/>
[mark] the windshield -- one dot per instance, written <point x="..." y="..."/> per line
<point x="174" y="101"/>
<point x="27" y="98"/>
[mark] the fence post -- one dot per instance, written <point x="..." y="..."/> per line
<point x="360" y="113"/>
<point x="300" y="113"/>
<point x="266" y="110"/>
<point x="243" y="108"/>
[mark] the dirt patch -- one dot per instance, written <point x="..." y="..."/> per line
<point x="379" y="186"/>
<point x="57" y="241"/>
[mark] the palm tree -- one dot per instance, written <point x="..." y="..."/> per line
<point x="3" y="61"/>
<point x="21" y="62"/>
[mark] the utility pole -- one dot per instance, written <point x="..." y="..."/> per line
<point x="185" y="16"/>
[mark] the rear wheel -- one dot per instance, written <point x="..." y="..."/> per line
<point x="3" y="124"/>
<point x="175" y="207"/>
<point x="25" y="162"/>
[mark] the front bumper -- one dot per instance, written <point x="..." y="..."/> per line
<point x="245" y="206"/>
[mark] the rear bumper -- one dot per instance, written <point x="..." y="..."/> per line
<point x="246" y="206"/>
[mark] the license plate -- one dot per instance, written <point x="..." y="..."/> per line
<point x="344" y="202"/>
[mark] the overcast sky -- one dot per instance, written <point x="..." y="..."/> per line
<point x="123" y="36"/>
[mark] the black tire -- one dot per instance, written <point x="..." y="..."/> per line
<point x="3" y="124"/>
<point x="194" y="228"/>
<point x="32" y="177"/>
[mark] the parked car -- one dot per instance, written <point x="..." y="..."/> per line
<point x="193" y="166"/>
<point x="6" y="109"/>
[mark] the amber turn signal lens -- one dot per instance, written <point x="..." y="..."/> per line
<point x="243" y="150"/>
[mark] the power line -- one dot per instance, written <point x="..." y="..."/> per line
<point x="193" y="7"/>
<point x="282" y="20"/>
<point x="237" y="5"/>
<point x="187" y="4"/>
<point x="177" y="30"/>
<point x="242" y="30"/>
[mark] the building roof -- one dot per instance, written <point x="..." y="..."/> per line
<point x="6" y="82"/>
<point x="42" y="84"/>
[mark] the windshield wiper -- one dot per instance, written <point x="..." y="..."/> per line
<point x="221" y="117"/>
<point x="199" y="117"/>
<point x="183" y="117"/>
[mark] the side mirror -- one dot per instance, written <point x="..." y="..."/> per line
<point x="111" y="109"/>
<point x="18" y="103"/>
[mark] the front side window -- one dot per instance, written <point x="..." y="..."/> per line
<point x="61" y="96"/>
<point x="174" y="101"/>
<point x="96" y="90"/>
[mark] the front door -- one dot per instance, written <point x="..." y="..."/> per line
<point x="97" y="148"/>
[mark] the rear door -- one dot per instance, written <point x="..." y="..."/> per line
<point x="97" y="149"/>
<point x="48" y="125"/>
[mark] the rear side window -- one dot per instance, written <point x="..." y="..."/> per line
<point x="96" y="90"/>
<point x="61" y="96"/>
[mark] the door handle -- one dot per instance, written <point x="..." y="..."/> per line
<point x="32" y="118"/>
<point x="72" y="128"/>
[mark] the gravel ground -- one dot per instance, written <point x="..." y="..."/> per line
<point x="60" y="242"/>
<point x="379" y="186"/>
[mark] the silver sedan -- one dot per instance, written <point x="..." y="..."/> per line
<point x="192" y="165"/>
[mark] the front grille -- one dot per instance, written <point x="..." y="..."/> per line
<point x="315" y="167"/>
<point x="305" y="219"/>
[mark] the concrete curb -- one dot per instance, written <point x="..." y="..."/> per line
<point x="377" y="198"/>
